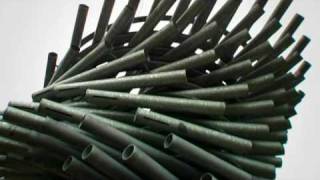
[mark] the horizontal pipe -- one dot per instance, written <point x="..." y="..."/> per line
<point x="34" y="138"/>
<point x="214" y="93"/>
<point x="260" y="83"/>
<point x="78" y="170"/>
<point x="250" y="108"/>
<point x="192" y="43"/>
<point x="302" y="69"/>
<point x="280" y="9"/>
<point x="267" y="148"/>
<point x="274" y="122"/>
<point x="255" y="12"/>
<point x="106" y="164"/>
<point x="255" y="53"/>
<point x="226" y="49"/>
<point x="254" y="167"/>
<point x="240" y="129"/>
<point x="199" y="133"/>
<point x="101" y="49"/>
<point x="204" y="159"/>
<point x="26" y="106"/>
<point x="301" y="44"/>
<point x="120" y="84"/>
<point x="144" y="164"/>
<point x="167" y="33"/>
<point x="110" y="69"/>
<point x="277" y="161"/>
<point x="272" y="66"/>
<point x="162" y="103"/>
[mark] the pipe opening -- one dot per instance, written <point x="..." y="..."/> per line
<point x="86" y="152"/>
<point x="128" y="152"/>
<point x="67" y="163"/>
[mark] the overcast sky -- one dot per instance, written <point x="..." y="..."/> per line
<point x="30" y="29"/>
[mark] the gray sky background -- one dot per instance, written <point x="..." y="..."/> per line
<point x="32" y="28"/>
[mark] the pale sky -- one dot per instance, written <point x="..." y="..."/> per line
<point x="30" y="29"/>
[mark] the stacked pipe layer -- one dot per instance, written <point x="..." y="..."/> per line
<point x="206" y="102"/>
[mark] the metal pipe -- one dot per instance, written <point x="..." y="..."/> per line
<point x="199" y="133"/>
<point x="214" y="93"/>
<point x="162" y="103"/>
<point x="192" y="43"/>
<point x="121" y="84"/>
<point x="78" y="170"/>
<point x="70" y="58"/>
<point x="267" y="159"/>
<point x="254" y="167"/>
<point x="201" y="19"/>
<point x="225" y="73"/>
<point x="192" y="62"/>
<point x="57" y="129"/>
<point x="204" y="159"/>
<point x="144" y="164"/>
<point x="109" y="69"/>
<point x="34" y="138"/>
<point x="120" y="140"/>
<point x="152" y="20"/>
<point x="51" y="66"/>
<point x="255" y="53"/>
<point x="103" y="20"/>
<point x="250" y="108"/>
<point x="106" y="164"/>
<point x="292" y="26"/>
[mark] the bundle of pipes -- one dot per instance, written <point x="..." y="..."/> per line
<point x="131" y="105"/>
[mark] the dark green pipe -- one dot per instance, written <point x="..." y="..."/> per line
<point x="106" y="164"/>
<point x="144" y="164"/>
<point x="78" y="170"/>
<point x="165" y="123"/>
<point x="204" y="159"/>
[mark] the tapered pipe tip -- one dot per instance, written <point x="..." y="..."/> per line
<point x="128" y="152"/>
<point x="67" y="163"/>
<point x="86" y="152"/>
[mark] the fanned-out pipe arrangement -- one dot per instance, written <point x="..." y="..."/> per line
<point x="193" y="100"/>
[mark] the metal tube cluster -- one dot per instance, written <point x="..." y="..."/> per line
<point x="203" y="102"/>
